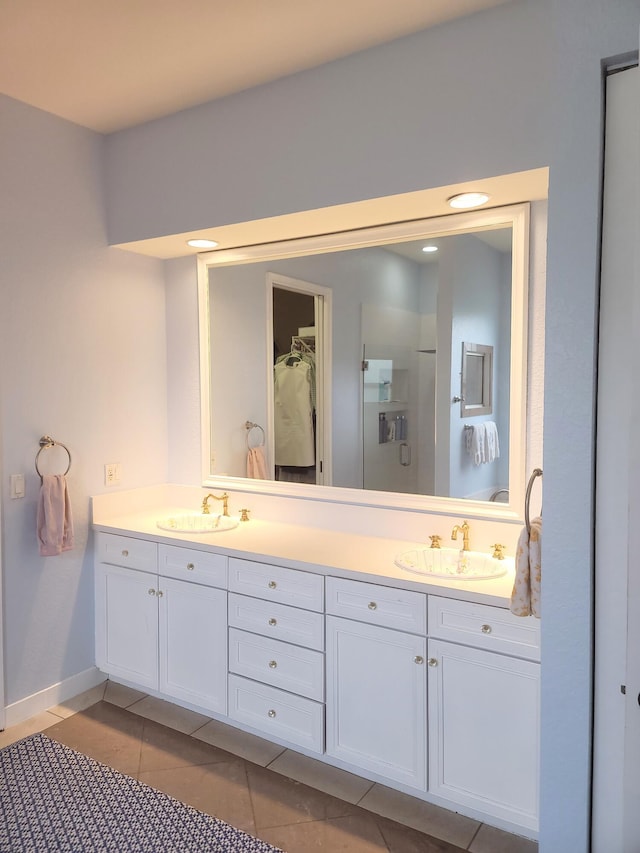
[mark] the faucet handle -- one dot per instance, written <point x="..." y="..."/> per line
<point x="244" y="514"/>
<point x="498" y="551"/>
<point x="435" y="540"/>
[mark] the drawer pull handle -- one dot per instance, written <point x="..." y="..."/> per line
<point x="273" y="664"/>
<point x="272" y="584"/>
<point x="152" y="591"/>
<point x="190" y="567"/>
<point x="486" y="629"/>
<point x="372" y="605"/>
<point x="125" y="553"/>
<point x="418" y="659"/>
<point x="433" y="662"/>
<point x="273" y="622"/>
<point x="271" y="713"/>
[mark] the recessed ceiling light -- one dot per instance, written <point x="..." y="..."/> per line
<point x="202" y="244"/>
<point x="464" y="200"/>
<point x="429" y="249"/>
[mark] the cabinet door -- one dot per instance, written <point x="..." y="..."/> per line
<point x="376" y="700"/>
<point x="193" y="643"/>
<point x="127" y="624"/>
<point x="484" y="731"/>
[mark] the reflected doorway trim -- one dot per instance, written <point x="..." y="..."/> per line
<point x="323" y="313"/>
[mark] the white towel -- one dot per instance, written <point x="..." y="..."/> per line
<point x="476" y="443"/>
<point x="492" y="445"/>
<point x="525" y="596"/>
<point x="482" y="442"/>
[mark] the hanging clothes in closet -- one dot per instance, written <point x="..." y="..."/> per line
<point x="294" y="409"/>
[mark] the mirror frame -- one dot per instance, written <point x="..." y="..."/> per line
<point x="514" y="216"/>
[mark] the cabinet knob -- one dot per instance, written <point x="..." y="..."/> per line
<point x="486" y="629"/>
<point x="152" y="591"/>
<point x="418" y="659"/>
<point x="372" y="605"/>
<point x="190" y="567"/>
<point x="433" y="662"/>
<point x="272" y="584"/>
<point x="271" y="713"/>
<point x="125" y="553"/>
<point x="273" y="664"/>
<point x="273" y="622"/>
<point x="160" y="593"/>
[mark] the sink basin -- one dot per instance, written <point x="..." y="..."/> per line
<point x="453" y="564"/>
<point x="197" y="522"/>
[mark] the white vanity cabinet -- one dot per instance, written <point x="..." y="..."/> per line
<point x="156" y="631"/>
<point x="276" y="652"/>
<point x="377" y="680"/>
<point x="483" y="691"/>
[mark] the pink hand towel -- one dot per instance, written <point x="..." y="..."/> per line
<point x="256" y="463"/>
<point x="54" y="521"/>
<point x="525" y="596"/>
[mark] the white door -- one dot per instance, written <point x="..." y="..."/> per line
<point x="193" y="643"/>
<point x="484" y="731"/>
<point x="127" y="624"/>
<point x="376" y="700"/>
<point x="616" y="776"/>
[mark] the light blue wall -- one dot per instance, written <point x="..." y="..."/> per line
<point x="514" y="88"/>
<point x="83" y="359"/>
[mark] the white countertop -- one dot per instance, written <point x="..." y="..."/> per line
<point x="363" y="558"/>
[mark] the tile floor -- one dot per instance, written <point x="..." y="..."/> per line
<point x="291" y="801"/>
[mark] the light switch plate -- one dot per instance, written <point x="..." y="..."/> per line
<point x="17" y="486"/>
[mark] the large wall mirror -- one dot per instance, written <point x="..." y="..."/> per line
<point x="334" y="367"/>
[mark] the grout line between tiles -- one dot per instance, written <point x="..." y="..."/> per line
<point x="275" y="758"/>
<point x="363" y="796"/>
<point x="475" y="834"/>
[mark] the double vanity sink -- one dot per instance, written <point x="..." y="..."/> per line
<point x="437" y="562"/>
<point x="453" y="564"/>
<point x="197" y="522"/>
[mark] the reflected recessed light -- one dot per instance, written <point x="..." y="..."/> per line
<point x="202" y="244"/>
<point x="463" y="200"/>
<point x="429" y="248"/>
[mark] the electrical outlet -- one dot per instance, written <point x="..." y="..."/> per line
<point x="112" y="473"/>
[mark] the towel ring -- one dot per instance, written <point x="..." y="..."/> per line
<point x="537" y="472"/>
<point x="249" y="426"/>
<point x="47" y="442"/>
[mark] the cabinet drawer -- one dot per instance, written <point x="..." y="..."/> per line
<point x="379" y="605"/>
<point x="484" y="626"/>
<point x="191" y="565"/>
<point x="278" y="714"/>
<point x="275" y="583"/>
<point x="280" y="664"/>
<point x="280" y="621"/>
<point x="126" y="551"/>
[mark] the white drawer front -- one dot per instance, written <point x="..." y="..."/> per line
<point x="379" y="605"/>
<point x="279" y="621"/>
<point x="484" y="626"/>
<point x="280" y="664"/>
<point x="127" y="551"/>
<point x="275" y="583"/>
<point x="191" y="565"/>
<point x="278" y="714"/>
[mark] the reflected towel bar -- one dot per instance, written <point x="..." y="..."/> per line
<point x="249" y="426"/>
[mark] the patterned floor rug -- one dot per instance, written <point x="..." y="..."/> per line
<point x="56" y="800"/>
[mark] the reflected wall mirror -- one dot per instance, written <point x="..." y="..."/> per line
<point x="355" y="383"/>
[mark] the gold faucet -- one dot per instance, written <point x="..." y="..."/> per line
<point x="464" y="527"/>
<point x="225" y="503"/>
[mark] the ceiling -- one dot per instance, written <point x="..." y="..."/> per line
<point x="112" y="64"/>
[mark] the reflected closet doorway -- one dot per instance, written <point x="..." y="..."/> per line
<point x="299" y="380"/>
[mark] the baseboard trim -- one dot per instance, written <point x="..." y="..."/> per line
<point x="38" y="702"/>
